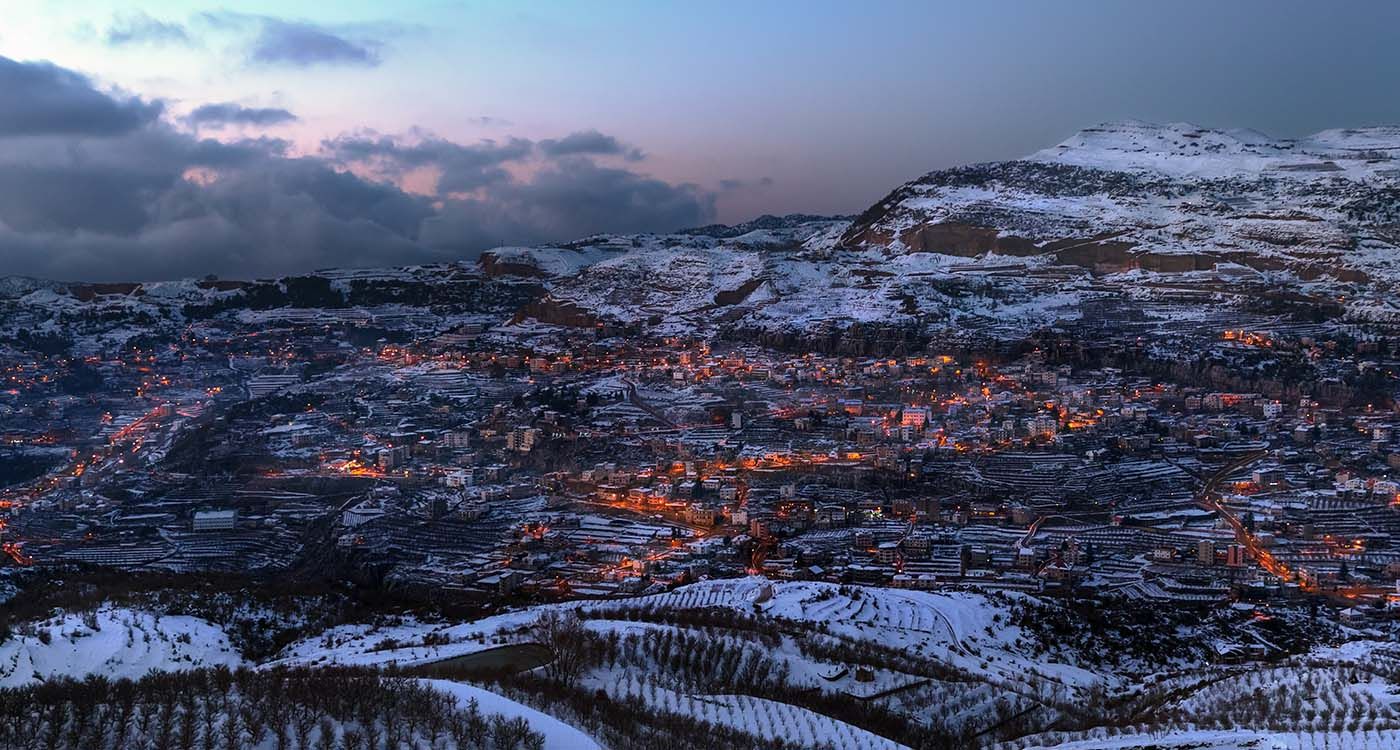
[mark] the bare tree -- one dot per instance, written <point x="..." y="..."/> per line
<point x="303" y="721"/>
<point x="209" y="724"/>
<point x="509" y="734"/>
<point x="188" y="723"/>
<point x="252" y="721"/>
<point x="326" y="740"/>
<point x="231" y="734"/>
<point x="352" y="740"/>
<point x="372" y="734"/>
<point x="165" y="725"/>
<point x="565" y="635"/>
<point x="57" y="718"/>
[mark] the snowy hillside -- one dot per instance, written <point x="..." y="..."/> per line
<point x="557" y="734"/>
<point x="406" y="643"/>
<point x="1184" y="150"/>
<point x="1166" y="199"/>
<point x="794" y="282"/>
<point x="803" y="665"/>
<point x="964" y="630"/>
<point x="112" y="642"/>
<point x="1230" y="740"/>
<point x="1167" y="217"/>
<point x="1124" y="209"/>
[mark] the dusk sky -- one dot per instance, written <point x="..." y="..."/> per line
<point x="161" y="139"/>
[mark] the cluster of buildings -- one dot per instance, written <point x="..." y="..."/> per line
<point x="495" y="463"/>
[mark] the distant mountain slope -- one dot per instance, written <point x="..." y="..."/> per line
<point x="1162" y="225"/>
<point x="1168" y="198"/>
<point x="1128" y="209"/>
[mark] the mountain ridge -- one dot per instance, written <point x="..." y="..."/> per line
<point x="1161" y="190"/>
<point x="1172" y="220"/>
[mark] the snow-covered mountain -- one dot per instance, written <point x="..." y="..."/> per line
<point x="1165" y="198"/>
<point x="1124" y="209"/>
<point x="1159" y="224"/>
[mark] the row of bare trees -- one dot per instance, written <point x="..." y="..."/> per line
<point x="705" y="658"/>
<point x="223" y="709"/>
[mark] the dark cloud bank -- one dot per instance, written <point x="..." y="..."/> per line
<point x="44" y="99"/>
<point x="100" y="186"/>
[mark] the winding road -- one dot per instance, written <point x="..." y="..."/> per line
<point x="1209" y="498"/>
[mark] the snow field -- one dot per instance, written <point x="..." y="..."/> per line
<point x="113" y="642"/>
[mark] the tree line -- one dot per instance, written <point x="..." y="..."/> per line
<point x="218" y="708"/>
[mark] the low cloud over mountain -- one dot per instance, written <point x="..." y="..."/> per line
<point x="104" y="183"/>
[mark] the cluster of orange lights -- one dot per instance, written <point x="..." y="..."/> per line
<point x="354" y="467"/>
<point x="1248" y="338"/>
<point x="16" y="553"/>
